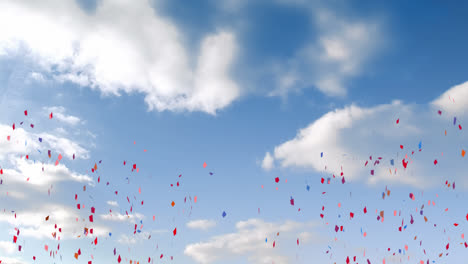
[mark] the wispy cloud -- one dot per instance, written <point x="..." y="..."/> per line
<point x="116" y="216"/>
<point x="202" y="224"/>
<point x="113" y="203"/>
<point x="59" y="114"/>
<point x="338" y="52"/>
<point x="24" y="142"/>
<point x="42" y="174"/>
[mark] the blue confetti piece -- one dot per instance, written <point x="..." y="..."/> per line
<point x="392" y="162"/>
<point x="224" y="214"/>
<point x="308" y="188"/>
<point x="266" y="240"/>
<point x="420" y="144"/>
<point x="454" y="121"/>
<point x="40" y="139"/>
<point x="139" y="231"/>
<point x="110" y="234"/>
<point x="321" y="155"/>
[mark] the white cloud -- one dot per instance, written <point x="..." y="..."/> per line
<point x="339" y="52"/>
<point x="126" y="240"/>
<point x="27" y="169"/>
<point x="202" y="224"/>
<point x="454" y="101"/>
<point x="31" y="221"/>
<point x="138" y="50"/>
<point x="31" y="182"/>
<point x="12" y="260"/>
<point x="113" y="203"/>
<point x="268" y="162"/>
<point x="23" y="142"/>
<point x="7" y="247"/>
<point x="248" y="241"/>
<point x="116" y="216"/>
<point x="38" y="77"/>
<point x="59" y="114"/>
<point x="349" y="136"/>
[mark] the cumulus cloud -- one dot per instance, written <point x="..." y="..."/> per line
<point x="350" y="135"/>
<point x="136" y="51"/>
<point x="202" y="224"/>
<point x="248" y="241"/>
<point x="268" y="162"/>
<point x="454" y="101"/>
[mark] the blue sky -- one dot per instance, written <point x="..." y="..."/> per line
<point x="254" y="89"/>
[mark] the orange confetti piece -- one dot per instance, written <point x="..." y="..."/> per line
<point x="204" y="165"/>
<point x="463" y="153"/>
